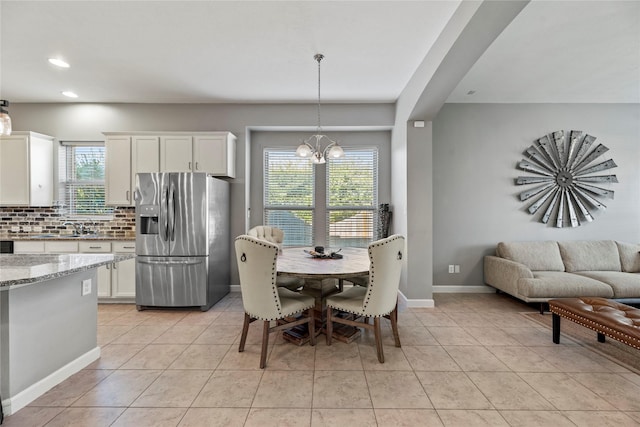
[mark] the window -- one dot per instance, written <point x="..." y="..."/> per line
<point x="336" y="208"/>
<point x="81" y="172"/>
<point x="289" y="183"/>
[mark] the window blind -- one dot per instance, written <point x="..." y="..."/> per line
<point x="352" y="198"/>
<point x="82" y="174"/>
<point x="289" y="200"/>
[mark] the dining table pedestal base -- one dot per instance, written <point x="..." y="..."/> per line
<point x="320" y="290"/>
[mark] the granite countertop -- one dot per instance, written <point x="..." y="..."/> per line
<point x="40" y="237"/>
<point x="18" y="270"/>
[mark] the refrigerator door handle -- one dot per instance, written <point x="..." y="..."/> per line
<point x="181" y="262"/>
<point x="171" y="203"/>
<point x="164" y="214"/>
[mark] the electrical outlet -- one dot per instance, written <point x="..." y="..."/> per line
<point x="26" y="228"/>
<point x="451" y="268"/>
<point x="37" y="229"/>
<point x="86" y="287"/>
<point x="15" y="229"/>
<point x="456" y="268"/>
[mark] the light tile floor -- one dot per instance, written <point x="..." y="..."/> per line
<point x="472" y="360"/>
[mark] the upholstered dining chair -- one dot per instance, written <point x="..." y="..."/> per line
<point x="378" y="299"/>
<point x="276" y="236"/>
<point x="263" y="299"/>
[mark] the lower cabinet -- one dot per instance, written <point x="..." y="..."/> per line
<point x="118" y="279"/>
<point x="115" y="281"/>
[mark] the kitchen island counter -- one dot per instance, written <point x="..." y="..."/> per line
<point x="48" y="321"/>
<point x="19" y="270"/>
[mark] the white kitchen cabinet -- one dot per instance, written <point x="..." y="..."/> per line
<point x="118" y="171"/>
<point x="213" y="153"/>
<point x="176" y="153"/>
<point x="60" y="247"/>
<point x="45" y="247"/>
<point x="26" y="169"/>
<point x="117" y="280"/>
<point x="145" y="156"/>
<point x="28" y="247"/>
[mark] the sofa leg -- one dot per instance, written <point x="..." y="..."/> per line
<point x="601" y="337"/>
<point x="556" y="328"/>
<point x="541" y="308"/>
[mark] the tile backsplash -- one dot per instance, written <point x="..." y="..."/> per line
<point x="25" y="221"/>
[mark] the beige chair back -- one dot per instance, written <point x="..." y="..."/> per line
<point x="269" y="234"/>
<point x="257" y="268"/>
<point x="387" y="256"/>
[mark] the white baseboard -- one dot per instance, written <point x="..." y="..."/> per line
<point x="31" y="393"/>
<point x="415" y="303"/>
<point x="234" y="288"/>
<point x="453" y="289"/>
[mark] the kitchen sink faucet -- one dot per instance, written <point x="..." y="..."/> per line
<point x="79" y="227"/>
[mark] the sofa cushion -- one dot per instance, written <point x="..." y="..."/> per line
<point x="629" y="257"/>
<point x="554" y="284"/>
<point x="538" y="256"/>
<point x="590" y="255"/>
<point x="624" y="285"/>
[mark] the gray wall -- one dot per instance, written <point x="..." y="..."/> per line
<point x="88" y="121"/>
<point x="476" y="148"/>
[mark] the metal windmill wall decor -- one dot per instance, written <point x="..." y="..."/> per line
<point x="564" y="177"/>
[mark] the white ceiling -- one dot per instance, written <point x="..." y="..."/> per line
<point x="262" y="51"/>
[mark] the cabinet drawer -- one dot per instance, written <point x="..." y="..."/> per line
<point x="95" y="246"/>
<point x="60" y="247"/>
<point x="127" y="247"/>
<point x="28" y="247"/>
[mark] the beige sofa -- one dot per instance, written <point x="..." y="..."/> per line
<point x="540" y="270"/>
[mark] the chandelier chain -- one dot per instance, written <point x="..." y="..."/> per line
<point x="319" y="58"/>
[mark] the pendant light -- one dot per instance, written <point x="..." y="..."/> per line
<point x="312" y="146"/>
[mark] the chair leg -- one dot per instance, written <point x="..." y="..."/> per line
<point x="378" y="334"/>
<point x="312" y="326"/>
<point x="329" y="325"/>
<point x="245" y="329"/>
<point x="394" y="325"/>
<point x="265" y="344"/>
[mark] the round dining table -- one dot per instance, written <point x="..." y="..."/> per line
<point x="294" y="261"/>
<point x="320" y="276"/>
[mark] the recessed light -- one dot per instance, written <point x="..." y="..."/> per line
<point x="69" y="94"/>
<point x="58" y="62"/>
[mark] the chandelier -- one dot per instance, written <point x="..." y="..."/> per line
<point x="312" y="146"/>
<point x="5" y="120"/>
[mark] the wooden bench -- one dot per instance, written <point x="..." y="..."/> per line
<point x="608" y="318"/>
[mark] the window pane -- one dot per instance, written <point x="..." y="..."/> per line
<point x="288" y="179"/>
<point x="289" y="195"/>
<point x="350" y="228"/>
<point x="352" y="179"/>
<point x="352" y="197"/>
<point x="296" y="224"/>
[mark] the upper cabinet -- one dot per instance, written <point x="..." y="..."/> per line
<point x="26" y="169"/>
<point x="118" y="171"/>
<point x="213" y="153"/>
<point x="138" y="152"/>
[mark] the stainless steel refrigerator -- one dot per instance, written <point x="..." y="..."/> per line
<point x="182" y="240"/>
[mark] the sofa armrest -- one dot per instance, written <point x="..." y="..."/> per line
<point x="503" y="274"/>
